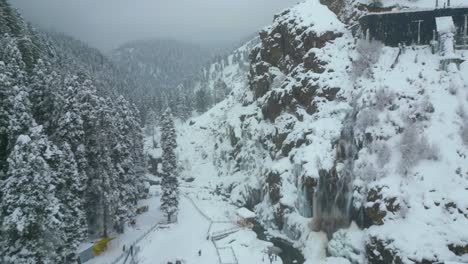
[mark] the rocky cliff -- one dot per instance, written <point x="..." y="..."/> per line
<point x="354" y="151"/>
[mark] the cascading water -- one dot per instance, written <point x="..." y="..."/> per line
<point x="304" y="205"/>
<point x="332" y="201"/>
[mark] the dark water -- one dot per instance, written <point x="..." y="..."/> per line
<point x="289" y="254"/>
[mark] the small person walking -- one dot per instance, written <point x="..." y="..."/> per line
<point x="199" y="252"/>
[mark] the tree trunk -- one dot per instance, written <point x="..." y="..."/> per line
<point x="104" y="221"/>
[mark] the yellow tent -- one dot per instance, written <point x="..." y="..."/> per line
<point x="101" y="245"/>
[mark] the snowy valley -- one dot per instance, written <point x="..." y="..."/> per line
<point x="317" y="142"/>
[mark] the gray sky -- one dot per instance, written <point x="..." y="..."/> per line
<point x="105" y="24"/>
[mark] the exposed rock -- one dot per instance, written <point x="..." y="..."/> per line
<point x="329" y="93"/>
<point x="381" y="252"/>
<point x="232" y="137"/>
<point x="336" y="6"/>
<point x="458" y="250"/>
<point x="279" y="216"/>
<point x="375" y="8"/>
<point x="311" y="62"/>
<point x="376" y="213"/>
<point x="275" y="104"/>
<point x="274" y="187"/>
<point x="284" y="47"/>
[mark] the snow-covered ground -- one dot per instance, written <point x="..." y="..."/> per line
<point x="180" y="241"/>
<point x="144" y="222"/>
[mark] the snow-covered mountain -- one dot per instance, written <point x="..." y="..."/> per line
<point x="353" y="151"/>
<point x="218" y="79"/>
<point x="159" y="66"/>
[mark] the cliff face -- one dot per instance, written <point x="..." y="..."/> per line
<point x="328" y="130"/>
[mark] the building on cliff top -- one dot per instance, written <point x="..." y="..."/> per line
<point x="417" y="27"/>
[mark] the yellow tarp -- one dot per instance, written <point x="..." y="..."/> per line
<point x="101" y="245"/>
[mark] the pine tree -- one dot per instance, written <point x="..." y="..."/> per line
<point x="201" y="100"/>
<point x="5" y="106"/>
<point x="32" y="225"/>
<point x="220" y="91"/>
<point x="9" y="22"/>
<point x="65" y="146"/>
<point x="69" y="189"/>
<point x="169" y="183"/>
<point x="186" y="107"/>
<point x="124" y="163"/>
<point x="150" y="126"/>
<point x="101" y="195"/>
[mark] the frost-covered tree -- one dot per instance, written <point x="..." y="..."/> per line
<point x="68" y="190"/>
<point x="32" y="226"/>
<point x="202" y="100"/>
<point x="415" y="147"/>
<point x="186" y="107"/>
<point x="220" y="91"/>
<point x="169" y="183"/>
<point x="71" y="149"/>
<point x="126" y="167"/>
<point x="5" y="106"/>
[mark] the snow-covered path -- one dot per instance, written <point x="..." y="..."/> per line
<point x="181" y="241"/>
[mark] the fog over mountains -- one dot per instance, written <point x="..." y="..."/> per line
<point x="106" y="24"/>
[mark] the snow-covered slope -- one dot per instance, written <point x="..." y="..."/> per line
<point x="330" y="130"/>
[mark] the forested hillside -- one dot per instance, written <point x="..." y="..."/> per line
<point x="161" y="73"/>
<point x="71" y="154"/>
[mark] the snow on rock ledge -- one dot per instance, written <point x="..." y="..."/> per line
<point x="311" y="16"/>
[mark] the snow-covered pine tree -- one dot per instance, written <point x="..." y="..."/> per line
<point x="137" y="153"/>
<point x="20" y="114"/>
<point x="101" y="192"/>
<point x="202" y="100"/>
<point x="5" y="106"/>
<point x="32" y="227"/>
<point x="44" y="94"/>
<point x="9" y="22"/>
<point x="51" y="82"/>
<point x="220" y="91"/>
<point x="69" y="187"/>
<point x="150" y="125"/>
<point x="124" y="163"/>
<point x="169" y="183"/>
<point x="186" y="106"/>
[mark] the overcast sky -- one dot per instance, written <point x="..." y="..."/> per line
<point x="105" y="24"/>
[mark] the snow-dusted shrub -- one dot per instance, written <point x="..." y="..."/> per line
<point x="383" y="153"/>
<point x="368" y="54"/>
<point x="347" y="244"/>
<point x="453" y="88"/>
<point x="420" y="111"/>
<point x="383" y="97"/>
<point x="415" y="147"/>
<point x="426" y="105"/>
<point x="368" y="172"/>
<point x="464" y="124"/>
<point x="366" y="118"/>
